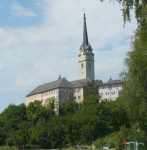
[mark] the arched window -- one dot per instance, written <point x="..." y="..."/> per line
<point x="82" y="66"/>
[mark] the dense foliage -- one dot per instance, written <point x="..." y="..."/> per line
<point x="39" y="125"/>
<point x="93" y="87"/>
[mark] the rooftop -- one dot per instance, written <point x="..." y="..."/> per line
<point x="60" y="83"/>
<point x="110" y="82"/>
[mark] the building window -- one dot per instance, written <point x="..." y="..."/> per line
<point x="89" y="65"/>
<point x="110" y="87"/>
<point x="75" y="97"/>
<point x="28" y="99"/>
<point x="82" y="66"/>
<point x="42" y="101"/>
<point x="78" y="90"/>
<point x="67" y="97"/>
<point x="41" y="94"/>
<point x="62" y="97"/>
<point x="52" y="92"/>
<point x="114" y="93"/>
<point x="35" y="97"/>
<point x="103" y="87"/>
<point x="75" y="90"/>
<point x="62" y="91"/>
<point x="79" y="97"/>
<point x="67" y="91"/>
<point x="106" y="93"/>
<point x="44" y="94"/>
<point x="49" y="93"/>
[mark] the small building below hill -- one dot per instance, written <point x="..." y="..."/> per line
<point x="61" y="90"/>
<point x="110" y="90"/>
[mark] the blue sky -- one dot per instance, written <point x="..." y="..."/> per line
<point x="41" y="38"/>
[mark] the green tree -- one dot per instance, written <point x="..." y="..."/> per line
<point x="22" y="136"/>
<point x="134" y="94"/>
<point x="35" y="111"/>
<point x="90" y="122"/>
<point x="92" y="87"/>
<point x="135" y="131"/>
<point x="56" y="132"/>
<point x="91" y="100"/>
<point x="67" y="108"/>
<point x="3" y="136"/>
<point x="39" y="134"/>
<point x="12" y="116"/>
<point x="120" y="137"/>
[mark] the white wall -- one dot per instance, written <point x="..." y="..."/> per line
<point x="109" y="93"/>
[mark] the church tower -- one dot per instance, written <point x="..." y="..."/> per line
<point x="86" y="57"/>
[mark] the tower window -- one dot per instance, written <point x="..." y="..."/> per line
<point x="89" y="65"/>
<point x="82" y="65"/>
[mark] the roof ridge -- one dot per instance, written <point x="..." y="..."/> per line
<point x="48" y="82"/>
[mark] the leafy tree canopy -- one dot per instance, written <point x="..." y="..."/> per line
<point x="92" y="87"/>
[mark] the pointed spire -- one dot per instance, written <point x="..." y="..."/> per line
<point x="59" y="77"/>
<point x="85" y="35"/>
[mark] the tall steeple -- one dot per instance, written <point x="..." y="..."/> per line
<point x="86" y="57"/>
<point x="85" y="35"/>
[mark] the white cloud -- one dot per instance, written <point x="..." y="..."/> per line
<point x="30" y="56"/>
<point x="18" y="10"/>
